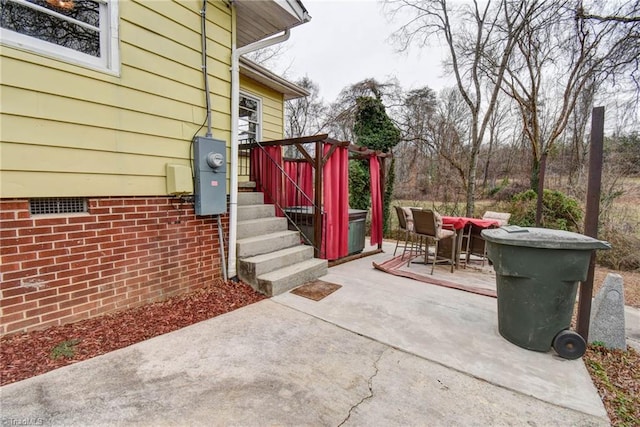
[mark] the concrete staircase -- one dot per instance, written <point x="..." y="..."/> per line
<point x="270" y="257"/>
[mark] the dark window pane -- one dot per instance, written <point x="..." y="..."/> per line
<point x="86" y="11"/>
<point x="40" y="25"/>
<point x="248" y="103"/>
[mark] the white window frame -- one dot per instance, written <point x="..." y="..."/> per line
<point x="258" y="100"/>
<point x="108" y="62"/>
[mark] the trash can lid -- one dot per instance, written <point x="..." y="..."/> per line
<point x="357" y="214"/>
<point x="542" y="238"/>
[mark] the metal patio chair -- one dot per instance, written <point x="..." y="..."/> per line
<point x="427" y="225"/>
<point x="405" y="225"/>
<point x="475" y="243"/>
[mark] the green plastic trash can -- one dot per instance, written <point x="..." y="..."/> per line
<point x="537" y="275"/>
<point x="357" y="222"/>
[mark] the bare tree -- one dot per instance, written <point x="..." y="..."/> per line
<point x="417" y="148"/>
<point x="559" y="59"/>
<point x="450" y="129"/>
<point x="577" y="139"/>
<point x="497" y="124"/>
<point x="414" y="118"/>
<point x="471" y="34"/>
<point x="269" y="57"/>
<point x="305" y="116"/>
<point x="627" y="12"/>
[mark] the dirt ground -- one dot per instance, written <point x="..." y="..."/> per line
<point x="631" y="280"/>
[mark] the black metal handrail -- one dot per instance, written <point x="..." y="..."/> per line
<point x="298" y="216"/>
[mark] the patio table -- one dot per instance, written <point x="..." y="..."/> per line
<point x="460" y="222"/>
<point x="462" y="226"/>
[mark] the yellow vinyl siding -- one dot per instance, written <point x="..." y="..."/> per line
<point x="272" y="115"/>
<point x="66" y="184"/>
<point x="74" y="111"/>
<point x="58" y="134"/>
<point x="72" y="160"/>
<point x="71" y="131"/>
<point x="272" y="107"/>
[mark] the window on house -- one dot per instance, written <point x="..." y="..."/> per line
<point x="78" y="31"/>
<point x="57" y="205"/>
<point x="249" y="126"/>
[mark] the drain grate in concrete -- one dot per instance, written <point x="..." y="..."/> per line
<point x="316" y="290"/>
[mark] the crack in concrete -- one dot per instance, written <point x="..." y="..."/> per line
<point x="369" y="384"/>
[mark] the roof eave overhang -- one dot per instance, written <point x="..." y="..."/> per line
<point x="271" y="80"/>
<point x="257" y="20"/>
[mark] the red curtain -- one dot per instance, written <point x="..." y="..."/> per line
<point x="302" y="174"/>
<point x="335" y="195"/>
<point x="305" y="181"/>
<point x="291" y="169"/>
<point x="376" y="201"/>
<point x="266" y="173"/>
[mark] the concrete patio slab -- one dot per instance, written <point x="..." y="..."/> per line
<point x="456" y="329"/>
<point x="381" y="350"/>
<point x="267" y="364"/>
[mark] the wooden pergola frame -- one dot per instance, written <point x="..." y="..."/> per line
<point x="318" y="163"/>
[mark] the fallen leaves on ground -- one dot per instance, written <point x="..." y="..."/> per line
<point x="616" y="375"/>
<point x="26" y="355"/>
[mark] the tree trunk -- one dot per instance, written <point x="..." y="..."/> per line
<point x="471" y="183"/>
<point x="542" y="168"/>
<point x="486" y="165"/>
<point x="535" y="173"/>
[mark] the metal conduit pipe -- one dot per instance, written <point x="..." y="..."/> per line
<point x="205" y="72"/>
<point x="207" y="94"/>
<point x="223" y="262"/>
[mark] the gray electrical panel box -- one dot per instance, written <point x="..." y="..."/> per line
<point x="210" y="160"/>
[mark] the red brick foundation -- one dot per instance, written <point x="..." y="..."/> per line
<point x="124" y="253"/>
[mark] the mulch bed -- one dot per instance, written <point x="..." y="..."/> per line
<point x="29" y="354"/>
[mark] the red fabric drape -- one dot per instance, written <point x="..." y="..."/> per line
<point x="267" y="175"/>
<point x="376" y="201"/>
<point x="302" y="174"/>
<point x="335" y="195"/>
<point x="291" y="169"/>
<point x="305" y="171"/>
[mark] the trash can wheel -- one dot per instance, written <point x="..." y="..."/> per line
<point x="569" y="345"/>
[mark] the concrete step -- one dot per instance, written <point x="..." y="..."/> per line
<point x="257" y="245"/>
<point x="247" y="212"/>
<point x="284" y="279"/>
<point x="250" y="198"/>
<point x="257" y="227"/>
<point x="246" y="185"/>
<point x="250" y="268"/>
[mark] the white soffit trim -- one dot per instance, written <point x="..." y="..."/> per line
<point x="257" y="20"/>
<point x="295" y="8"/>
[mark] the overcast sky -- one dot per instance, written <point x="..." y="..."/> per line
<point x="346" y="41"/>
